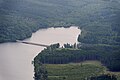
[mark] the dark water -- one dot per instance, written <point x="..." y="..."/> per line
<point x="15" y="58"/>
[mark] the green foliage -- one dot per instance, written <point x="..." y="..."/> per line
<point x="98" y="20"/>
<point x="40" y="71"/>
<point x="73" y="71"/>
<point x="16" y="15"/>
<point x="107" y="54"/>
<point x="54" y="46"/>
<point x="103" y="77"/>
<point x="68" y="46"/>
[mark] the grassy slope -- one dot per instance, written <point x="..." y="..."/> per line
<point x="74" y="71"/>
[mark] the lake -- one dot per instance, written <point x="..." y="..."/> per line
<point x="16" y="58"/>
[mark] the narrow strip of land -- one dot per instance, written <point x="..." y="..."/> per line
<point x="31" y="43"/>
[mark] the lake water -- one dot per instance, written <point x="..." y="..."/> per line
<point x="15" y="58"/>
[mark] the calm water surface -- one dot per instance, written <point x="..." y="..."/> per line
<point x="15" y="58"/>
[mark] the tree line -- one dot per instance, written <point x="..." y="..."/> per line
<point x="56" y="55"/>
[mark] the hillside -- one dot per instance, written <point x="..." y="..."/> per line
<point x="19" y="18"/>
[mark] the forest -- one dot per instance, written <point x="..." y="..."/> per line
<point x="55" y="54"/>
<point x="19" y="18"/>
<point x="99" y="21"/>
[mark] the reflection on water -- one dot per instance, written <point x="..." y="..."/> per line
<point x="15" y="58"/>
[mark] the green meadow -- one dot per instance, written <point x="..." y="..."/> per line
<point x="77" y="71"/>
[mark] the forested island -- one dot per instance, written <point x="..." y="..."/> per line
<point x="99" y="21"/>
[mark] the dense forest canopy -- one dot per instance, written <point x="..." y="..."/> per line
<point x="19" y="18"/>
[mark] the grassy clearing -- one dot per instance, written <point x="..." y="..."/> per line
<point x="74" y="71"/>
<point x="77" y="71"/>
